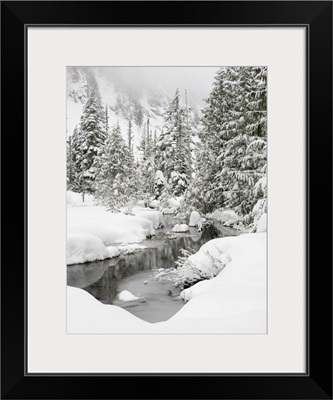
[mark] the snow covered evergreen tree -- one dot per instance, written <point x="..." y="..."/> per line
<point x="86" y="142"/>
<point x="147" y="164"/>
<point x="70" y="166"/>
<point x="114" y="171"/>
<point x="106" y="121"/>
<point x="74" y="161"/>
<point x="233" y="140"/>
<point x="130" y="137"/>
<point x="159" y="184"/>
<point x="172" y="153"/>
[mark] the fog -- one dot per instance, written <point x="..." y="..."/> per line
<point x="196" y="80"/>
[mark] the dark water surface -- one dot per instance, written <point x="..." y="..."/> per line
<point x="158" y="301"/>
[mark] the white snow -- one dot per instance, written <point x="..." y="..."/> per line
<point x="154" y="216"/>
<point x="154" y="204"/>
<point x="109" y="227"/>
<point x="196" y="289"/>
<point x="113" y="251"/>
<point x="125" y="295"/>
<point x="262" y="223"/>
<point x="260" y="186"/>
<point x="179" y="228"/>
<point x="195" y="219"/>
<point x="159" y="177"/>
<point x="259" y="209"/>
<point x="75" y="199"/>
<point x="224" y="216"/>
<point x="166" y="211"/>
<point x="130" y="248"/>
<point x="241" y="286"/>
<point x="232" y="302"/>
<point x="83" y="248"/>
<point x="174" y="202"/>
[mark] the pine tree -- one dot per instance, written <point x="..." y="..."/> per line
<point x="70" y="166"/>
<point x="130" y="137"/>
<point x="233" y="151"/>
<point x="74" y="160"/>
<point x="92" y="137"/>
<point x="173" y="147"/>
<point x="114" y="171"/>
<point x="147" y="164"/>
<point x="106" y="116"/>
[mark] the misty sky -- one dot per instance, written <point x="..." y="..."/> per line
<point x="197" y="80"/>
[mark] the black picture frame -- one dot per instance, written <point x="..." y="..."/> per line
<point x="316" y="383"/>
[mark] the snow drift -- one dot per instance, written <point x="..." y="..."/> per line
<point x="83" y="248"/>
<point x="109" y="227"/>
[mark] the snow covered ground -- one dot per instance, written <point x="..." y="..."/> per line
<point x="91" y="227"/>
<point x="232" y="302"/>
<point x="110" y="227"/>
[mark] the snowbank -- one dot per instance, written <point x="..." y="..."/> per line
<point x="130" y="248"/>
<point x="83" y="248"/>
<point x="113" y="251"/>
<point x="109" y="227"/>
<point x="226" y="216"/>
<point x="75" y="199"/>
<point x="241" y="286"/>
<point x="180" y="228"/>
<point x="232" y="302"/>
<point x="172" y="205"/>
<point x="155" y="217"/>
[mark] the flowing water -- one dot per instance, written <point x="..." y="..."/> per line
<point x="156" y="301"/>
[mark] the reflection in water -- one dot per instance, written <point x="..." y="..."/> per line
<point x="105" y="279"/>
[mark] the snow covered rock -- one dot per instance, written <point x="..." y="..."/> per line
<point x="180" y="228"/>
<point x="181" y="215"/>
<point x="195" y="219"/>
<point x="262" y="224"/>
<point x="125" y="295"/>
<point x="83" y="248"/>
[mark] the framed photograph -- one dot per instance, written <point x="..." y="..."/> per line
<point x="172" y="173"/>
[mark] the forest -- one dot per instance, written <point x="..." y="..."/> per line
<point x="214" y="161"/>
